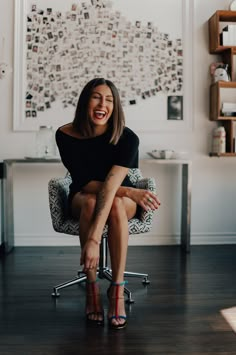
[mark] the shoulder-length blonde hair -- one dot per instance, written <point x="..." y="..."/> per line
<point x="82" y="123"/>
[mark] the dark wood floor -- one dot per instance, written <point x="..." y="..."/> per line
<point x="178" y="313"/>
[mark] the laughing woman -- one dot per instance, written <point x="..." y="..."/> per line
<point x="98" y="150"/>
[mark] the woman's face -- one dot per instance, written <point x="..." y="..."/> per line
<point x="100" y="106"/>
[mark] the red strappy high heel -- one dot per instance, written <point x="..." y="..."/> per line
<point x="116" y="298"/>
<point x="95" y="299"/>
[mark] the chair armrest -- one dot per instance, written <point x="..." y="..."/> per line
<point x="58" y="189"/>
<point x="147" y="184"/>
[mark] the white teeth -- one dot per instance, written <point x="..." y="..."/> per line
<point x="100" y="114"/>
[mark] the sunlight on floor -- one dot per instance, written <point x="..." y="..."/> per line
<point x="230" y="316"/>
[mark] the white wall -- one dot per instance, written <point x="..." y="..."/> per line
<point x="213" y="185"/>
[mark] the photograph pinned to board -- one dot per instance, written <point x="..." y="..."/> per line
<point x="175" y="107"/>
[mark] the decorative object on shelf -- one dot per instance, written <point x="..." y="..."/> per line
<point x="219" y="72"/>
<point x="218" y="142"/>
<point x="228" y="109"/>
<point x="228" y="35"/>
<point x="45" y="142"/>
<point x="232" y="6"/>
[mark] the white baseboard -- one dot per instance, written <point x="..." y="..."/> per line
<point x="213" y="238"/>
<point x="141" y="239"/>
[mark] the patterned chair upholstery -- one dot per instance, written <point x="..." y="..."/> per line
<point x="62" y="223"/>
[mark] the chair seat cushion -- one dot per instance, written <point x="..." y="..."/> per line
<point x="62" y="223"/>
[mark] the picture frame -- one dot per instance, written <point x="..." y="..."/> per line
<point x="175" y="107"/>
<point x="56" y="111"/>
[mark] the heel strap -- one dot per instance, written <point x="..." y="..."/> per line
<point x="119" y="283"/>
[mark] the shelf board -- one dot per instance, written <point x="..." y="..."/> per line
<point x="225" y="118"/>
<point x="222" y="155"/>
<point x="226" y="15"/>
<point x="220" y="49"/>
<point x="225" y="84"/>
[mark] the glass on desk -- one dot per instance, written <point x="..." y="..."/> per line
<point x="45" y="142"/>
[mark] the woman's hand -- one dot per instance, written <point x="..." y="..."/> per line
<point x="145" y="198"/>
<point x="90" y="255"/>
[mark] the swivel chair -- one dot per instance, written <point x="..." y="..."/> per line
<point x="62" y="223"/>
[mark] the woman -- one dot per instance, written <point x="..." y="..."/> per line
<point x="98" y="150"/>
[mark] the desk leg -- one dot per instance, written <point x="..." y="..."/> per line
<point x="1" y="206"/>
<point x="7" y="215"/>
<point x="186" y="207"/>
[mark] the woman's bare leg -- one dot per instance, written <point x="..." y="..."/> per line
<point x="122" y="210"/>
<point x="83" y="209"/>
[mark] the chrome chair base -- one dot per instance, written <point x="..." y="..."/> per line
<point x="103" y="272"/>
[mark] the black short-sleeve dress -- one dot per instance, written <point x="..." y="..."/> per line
<point x="90" y="159"/>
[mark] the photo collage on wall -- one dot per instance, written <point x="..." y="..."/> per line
<point x="64" y="50"/>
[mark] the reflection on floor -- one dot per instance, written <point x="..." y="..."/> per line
<point x="230" y="316"/>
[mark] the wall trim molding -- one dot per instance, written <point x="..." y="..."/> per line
<point x="144" y="239"/>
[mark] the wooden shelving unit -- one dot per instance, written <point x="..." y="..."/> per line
<point x="220" y="90"/>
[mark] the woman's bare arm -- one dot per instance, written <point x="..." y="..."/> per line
<point x="105" y="197"/>
<point x="140" y="196"/>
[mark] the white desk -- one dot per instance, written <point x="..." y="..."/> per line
<point x="1" y="204"/>
<point x="7" y="242"/>
<point x="186" y="196"/>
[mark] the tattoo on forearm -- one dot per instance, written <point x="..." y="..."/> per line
<point x="100" y="203"/>
<point x="101" y="197"/>
<point x="108" y="177"/>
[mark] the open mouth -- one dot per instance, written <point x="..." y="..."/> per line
<point x="99" y="114"/>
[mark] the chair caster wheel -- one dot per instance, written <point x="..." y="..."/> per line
<point x="129" y="301"/>
<point x="145" y="281"/>
<point x="55" y="294"/>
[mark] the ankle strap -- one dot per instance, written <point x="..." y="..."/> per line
<point x="119" y="283"/>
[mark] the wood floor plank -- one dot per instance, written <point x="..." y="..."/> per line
<point x="178" y="313"/>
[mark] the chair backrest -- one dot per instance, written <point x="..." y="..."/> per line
<point x="58" y="193"/>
